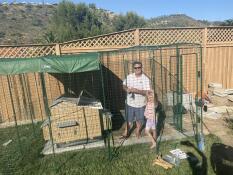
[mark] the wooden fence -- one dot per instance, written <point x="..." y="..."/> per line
<point x="217" y="44"/>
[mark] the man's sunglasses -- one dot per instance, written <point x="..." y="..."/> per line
<point x="137" y="67"/>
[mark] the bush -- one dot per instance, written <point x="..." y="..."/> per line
<point x="2" y="34"/>
<point x="37" y="22"/>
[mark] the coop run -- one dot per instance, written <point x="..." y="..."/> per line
<point x="70" y="100"/>
<point x="52" y="100"/>
<point x="175" y="74"/>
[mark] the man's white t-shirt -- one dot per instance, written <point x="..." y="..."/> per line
<point x="142" y="83"/>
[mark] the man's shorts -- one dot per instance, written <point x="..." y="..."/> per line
<point x="135" y="114"/>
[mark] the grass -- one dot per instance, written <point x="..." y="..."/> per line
<point x="136" y="159"/>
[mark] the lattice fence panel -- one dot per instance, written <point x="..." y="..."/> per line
<point x="216" y="35"/>
<point x="165" y="36"/>
<point x="26" y="51"/>
<point x="116" y="39"/>
<point x="123" y="39"/>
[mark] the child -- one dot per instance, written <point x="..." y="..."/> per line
<point x="151" y="117"/>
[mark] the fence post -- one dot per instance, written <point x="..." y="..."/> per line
<point x="58" y="49"/>
<point x="204" y="67"/>
<point x="136" y="37"/>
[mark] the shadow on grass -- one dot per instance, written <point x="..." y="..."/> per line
<point x="222" y="159"/>
<point x="198" y="167"/>
<point x="65" y="162"/>
<point x="160" y="119"/>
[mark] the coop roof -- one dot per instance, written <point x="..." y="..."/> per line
<point x="52" y="64"/>
<point x="81" y="101"/>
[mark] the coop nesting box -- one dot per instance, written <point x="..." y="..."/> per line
<point x="74" y="119"/>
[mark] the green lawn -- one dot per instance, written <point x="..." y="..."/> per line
<point x="135" y="159"/>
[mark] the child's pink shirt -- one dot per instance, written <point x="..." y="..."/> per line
<point x="150" y="110"/>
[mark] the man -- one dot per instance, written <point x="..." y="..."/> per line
<point x="136" y="85"/>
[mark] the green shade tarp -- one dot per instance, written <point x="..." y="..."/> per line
<point x="50" y="64"/>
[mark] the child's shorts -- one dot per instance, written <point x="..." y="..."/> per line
<point x="150" y="124"/>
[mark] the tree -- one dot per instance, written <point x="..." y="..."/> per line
<point x="128" y="21"/>
<point x="75" y="21"/>
<point x="49" y="37"/>
<point x="228" y="22"/>
<point x="62" y="23"/>
<point x="72" y="21"/>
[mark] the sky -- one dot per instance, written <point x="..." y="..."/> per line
<point x="212" y="10"/>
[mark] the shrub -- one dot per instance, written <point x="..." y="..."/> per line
<point x="2" y="34"/>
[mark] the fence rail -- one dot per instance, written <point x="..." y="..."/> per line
<point x="217" y="46"/>
<point x="205" y="36"/>
<point x="217" y="43"/>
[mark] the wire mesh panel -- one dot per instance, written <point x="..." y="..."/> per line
<point x="45" y="112"/>
<point x="76" y="115"/>
<point x="21" y="137"/>
<point x="174" y="72"/>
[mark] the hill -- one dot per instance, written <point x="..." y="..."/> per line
<point x="28" y="23"/>
<point x="24" y="23"/>
<point x="176" y="20"/>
